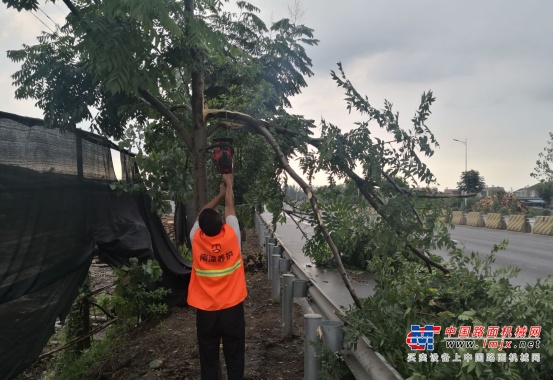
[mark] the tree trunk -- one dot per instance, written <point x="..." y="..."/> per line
<point x="199" y="157"/>
<point x="199" y="137"/>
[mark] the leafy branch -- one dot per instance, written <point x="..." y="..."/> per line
<point x="314" y="206"/>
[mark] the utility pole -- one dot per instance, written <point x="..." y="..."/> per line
<point x="466" y="149"/>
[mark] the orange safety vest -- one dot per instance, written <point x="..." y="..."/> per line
<point x="218" y="280"/>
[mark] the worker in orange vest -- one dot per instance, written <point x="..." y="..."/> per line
<point x="218" y="286"/>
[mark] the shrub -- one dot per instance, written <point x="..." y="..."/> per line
<point x="472" y="294"/>
<point x="351" y="228"/>
<point x="136" y="297"/>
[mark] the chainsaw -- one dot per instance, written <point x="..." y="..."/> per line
<point x="223" y="155"/>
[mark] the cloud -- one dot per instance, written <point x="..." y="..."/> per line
<point x="20" y="28"/>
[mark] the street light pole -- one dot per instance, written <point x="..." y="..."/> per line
<point x="466" y="149"/>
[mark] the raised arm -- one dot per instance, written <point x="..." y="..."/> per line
<point x="218" y="198"/>
<point x="229" y="195"/>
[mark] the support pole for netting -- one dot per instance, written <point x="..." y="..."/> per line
<point x="287" y="302"/>
<point x="311" y="362"/>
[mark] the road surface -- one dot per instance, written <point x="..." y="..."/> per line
<point x="533" y="254"/>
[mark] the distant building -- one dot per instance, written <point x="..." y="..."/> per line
<point x="492" y="190"/>
<point x="452" y="191"/>
<point x="527" y="192"/>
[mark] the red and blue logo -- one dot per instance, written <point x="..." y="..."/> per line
<point x="421" y="338"/>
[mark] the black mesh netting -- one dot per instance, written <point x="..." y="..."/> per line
<point x="56" y="205"/>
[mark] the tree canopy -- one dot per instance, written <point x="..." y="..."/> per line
<point x="471" y="182"/>
<point x="544" y="165"/>
<point x="544" y="171"/>
<point x="142" y="72"/>
<point x="166" y="76"/>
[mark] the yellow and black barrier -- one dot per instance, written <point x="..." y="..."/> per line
<point x="519" y="223"/>
<point x="458" y="218"/>
<point x="475" y="219"/>
<point x="445" y="217"/>
<point x="543" y="225"/>
<point x="495" y="221"/>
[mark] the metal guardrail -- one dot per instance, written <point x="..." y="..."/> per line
<point x="363" y="362"/>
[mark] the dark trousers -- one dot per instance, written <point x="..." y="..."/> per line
<point x="228" y="325"/>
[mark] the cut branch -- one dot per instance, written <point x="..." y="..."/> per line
<point x="395" y="186"/>
<point x="297" y="224"/>
<point x="244" y="118"/>
<point x="228" y="124"/>
<point x="360" y="183"/>
<point x="181" y="106"/>
<point x="76" y="340"/>
<point x="261" y="127"/>
<point x="313" y="201"/>
<point x="248" y="121"/>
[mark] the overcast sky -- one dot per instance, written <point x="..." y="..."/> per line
<point x="489" y="64"/>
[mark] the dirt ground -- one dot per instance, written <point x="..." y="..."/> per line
<point x="168" y="349"/>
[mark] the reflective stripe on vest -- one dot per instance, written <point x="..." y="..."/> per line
<point x="218" y="273"/>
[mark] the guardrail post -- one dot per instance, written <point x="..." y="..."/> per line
<point x="300" y="288"/>
<point x="271" y="242"/>
<point x="274" y="250"/>
<point x="278" y="250"/>
<point x="269" y="257"/>
<point x="333" y="334"/>
<point x="311" y="363"/>
<point x="287" y="302"/>
<point x="265" y="246"/>
<point x="284" y="265"/>
<point x="275" y="288"/>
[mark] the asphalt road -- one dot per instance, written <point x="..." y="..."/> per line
<point x="533" y="254"/>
